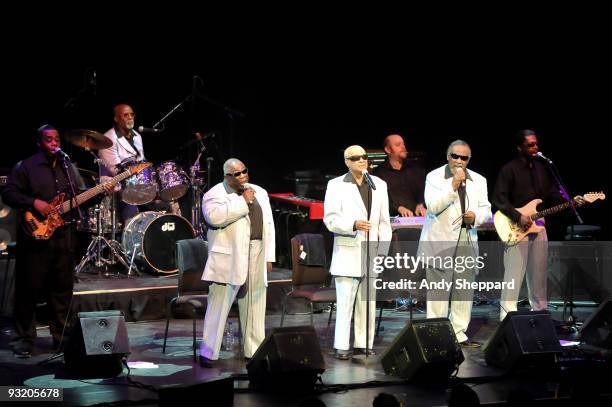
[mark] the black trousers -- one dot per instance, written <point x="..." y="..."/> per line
<point x="43" y="273"/>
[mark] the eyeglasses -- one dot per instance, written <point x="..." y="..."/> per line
<point x="357" y="157"/>
<point x="237" y="173"/>
<point x="533" y="144"/>
<point x="463" y="157"/>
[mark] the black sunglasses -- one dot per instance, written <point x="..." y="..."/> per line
<point x="358" y="157"/>
<point x="237" y="173"/>
<point x="463" y="157"/>
<point x="531" y="144"/>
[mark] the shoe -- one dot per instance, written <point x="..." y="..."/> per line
<point x="205" y="362"/>
<point x="470" y="344"/>
<point x="342" y="354"/>
<point x="361" y="351"/>
<point x="22" y="352"/>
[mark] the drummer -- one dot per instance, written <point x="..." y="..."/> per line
<point x="127" y="146"/>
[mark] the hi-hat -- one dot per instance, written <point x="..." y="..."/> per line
<point x="88" y="139"/>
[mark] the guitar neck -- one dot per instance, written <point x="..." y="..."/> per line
<point x="552" y="210"/>
<point x="90" y="193"/>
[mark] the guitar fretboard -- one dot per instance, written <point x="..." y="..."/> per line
<point x="87" y="195"/>
<point x="552" y="210"/>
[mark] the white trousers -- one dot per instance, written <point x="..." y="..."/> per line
<point x="251" y="305"/>
<point x="529" y="257"/>
<point x="352" y="291"/>
<point x="460" y="300"/>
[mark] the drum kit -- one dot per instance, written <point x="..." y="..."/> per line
<point x="148" y="239"/>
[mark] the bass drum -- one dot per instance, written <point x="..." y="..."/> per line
<point x="153" y="237"/>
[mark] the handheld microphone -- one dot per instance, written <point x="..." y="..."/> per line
<point x="142" y="129"/>
<point x="543" y="157"/>
<point x="368" y="179"/>
<point x="462" y="181"/>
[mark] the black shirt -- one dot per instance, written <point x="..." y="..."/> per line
<point x="35" y="178"/>
<point x="364" y="190"/>
<point x="521" y="181"/>
<point x="405" y="186"/>
<point x="256" y="217"/>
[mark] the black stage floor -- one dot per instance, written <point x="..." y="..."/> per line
<point x="344" y="383"/>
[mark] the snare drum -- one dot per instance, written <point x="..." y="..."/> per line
<point x="151" y="237"/>
<point x="140" y="188"/>
<point x="173" y="181"/>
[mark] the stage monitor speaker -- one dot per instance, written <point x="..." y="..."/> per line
<point x="289" y="360"/>
<point x="8" y="226"/>
<point x="97" y="344"/>
<point x="523" y="339"/>
<point x="426" y="350"/>
<point x="597" y="329"/>
<point x="217" y="391"/>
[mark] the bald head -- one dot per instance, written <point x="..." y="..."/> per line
<point x="230" y="165"/>
<point x="353" y="151"/>
<point x="124" y="117"/>
<point x="395" y="148"/>
<point x="356" y="160"/>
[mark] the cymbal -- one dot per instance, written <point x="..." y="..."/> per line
<point x="87" y="172"/>
<point x="88" y="139"/>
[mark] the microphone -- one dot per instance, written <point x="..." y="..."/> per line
<point x="543" y="157"/>
<point x="203" y="136"/>
<point x="94" y="82"/>
<point x="60" y="153"/>
<point x="368" y="179"/>
<point x="462" y="181"/>
<point x="142" y="129"/>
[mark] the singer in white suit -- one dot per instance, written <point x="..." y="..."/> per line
<point x="457" y="202"/>
<point x="127" y="145"/>
<point x="346" y="216"/>
<point x="241" y="250"/>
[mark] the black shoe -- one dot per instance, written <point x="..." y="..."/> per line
<point x="205" y="362"/>
<point x="22" y="352"/>
<point x="361" y="351"/>
<point x="470" y="344"/>
<point x="342" y="354"/>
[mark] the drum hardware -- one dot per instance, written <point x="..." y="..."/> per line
<point x="132" y="267"/>
<point x="96" y="250"/>
<point x="197" y="190"/>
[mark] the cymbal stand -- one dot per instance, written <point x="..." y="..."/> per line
<point x="197" y="189"/>
<point x="95" y="250"/>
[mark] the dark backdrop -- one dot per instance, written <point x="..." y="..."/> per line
<point x="301" y="104"/>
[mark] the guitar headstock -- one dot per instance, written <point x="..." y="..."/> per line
<point x="591" y="197"/>
<point x="136" y="168"/>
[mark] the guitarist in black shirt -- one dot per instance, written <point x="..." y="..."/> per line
<point x="44" y="266"/>
<point x="520" y="181"/>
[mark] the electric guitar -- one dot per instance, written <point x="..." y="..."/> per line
<point x="512" y="233"/>
<point x="42" y="229"/>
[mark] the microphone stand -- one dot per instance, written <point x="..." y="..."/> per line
<point x="72" y="197"/>
<point x="571" y="319"/>
<point x="562" y="189"/>
<point x="365" y="359"/>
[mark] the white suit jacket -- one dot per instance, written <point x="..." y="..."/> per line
<point x="228" y="239"/>
<point x="343" y="206"/>
<point x="119" y="151"/>
<point x="441" y="229"/>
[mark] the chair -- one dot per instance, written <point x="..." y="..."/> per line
<point x="309" y="276"/>
<point x="191" y="256"/>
